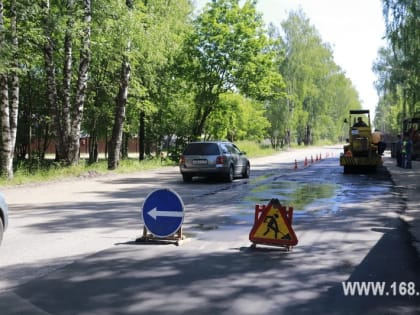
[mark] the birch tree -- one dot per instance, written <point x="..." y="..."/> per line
<point x="81" y="85"/>
<point x="9" y="85"/>
<point x="152" y="37"/>
<point x="67" y="114"/>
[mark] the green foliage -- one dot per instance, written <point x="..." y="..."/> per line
<point x="397" y="65"/>
<point x="238" y="118"/>
<point x="221" y="74"/>
<point x="317" y="91"/>
<point x="227" y="51"/>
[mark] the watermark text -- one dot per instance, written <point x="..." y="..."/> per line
<point x="379" y="288"/>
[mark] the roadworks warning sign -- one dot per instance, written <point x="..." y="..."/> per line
<point x="272" y="226"/>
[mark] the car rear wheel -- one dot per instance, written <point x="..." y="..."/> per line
<point x="1" y="230"/>
<point x="247" y="171"/>
<point x="186" y="178"/>
<point x="230" y="175"/>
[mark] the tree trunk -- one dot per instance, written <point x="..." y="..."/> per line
<point x="93" y="141"/>
<point x="93" y="148"/>
<point x="200" y="121"/>
<point x="6" y="144"/>
<point x="52" y="84"/>
<point x="124" y="148"/>
<point x="64" y="114"/>
<point x="205" y="104"/>
<point x="308" y="135"/>
<point x="74" y="143"/>
<point x="120" y="104"/>
<point x="4" y="109"/>
<point x="14" y="108"/>
<point x="142" y="134"/>
<point x="9" y="112"/>
<point x="28" y="122"/>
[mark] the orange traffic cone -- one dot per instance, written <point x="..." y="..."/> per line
<point x="305" y="164"/>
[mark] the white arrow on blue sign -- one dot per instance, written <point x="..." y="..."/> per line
<point x="163" y="212"/>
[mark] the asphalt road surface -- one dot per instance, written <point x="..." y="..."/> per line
<point x="70" y="247"/>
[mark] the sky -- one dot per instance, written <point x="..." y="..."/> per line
<point x="354" y="29"/>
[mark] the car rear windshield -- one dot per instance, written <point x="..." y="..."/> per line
<point x="202" y="149"/>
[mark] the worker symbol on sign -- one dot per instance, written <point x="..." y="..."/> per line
<point x="272" y="225"/>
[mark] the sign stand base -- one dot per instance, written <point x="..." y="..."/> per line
<point x="288" y="248"/>
<point x="147" y="237"/>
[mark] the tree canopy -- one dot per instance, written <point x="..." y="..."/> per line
<point x="398" y="65"/>
<point x="157" y="73"/>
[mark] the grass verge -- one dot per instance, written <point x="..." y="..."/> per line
<point x="35" y="171"/>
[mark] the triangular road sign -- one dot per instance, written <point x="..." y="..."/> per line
<point x="273" y="227"/>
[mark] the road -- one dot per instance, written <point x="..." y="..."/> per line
<point x="70" y="245"/>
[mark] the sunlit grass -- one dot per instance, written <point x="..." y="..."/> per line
<point x="48" y="170"/>
<point x="254" y="149"/>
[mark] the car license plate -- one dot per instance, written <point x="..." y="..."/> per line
<point x="200" y="162"/>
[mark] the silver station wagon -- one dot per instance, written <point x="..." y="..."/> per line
<point x="213" y="158"/>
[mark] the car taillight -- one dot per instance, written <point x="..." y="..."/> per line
<point x="182" y="160"/>
<point x="220" y="160"/>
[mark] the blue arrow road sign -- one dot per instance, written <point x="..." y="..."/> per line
<point x="163" y="212"/>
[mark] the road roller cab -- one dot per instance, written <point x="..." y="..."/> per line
<point x="360" y="153"/>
